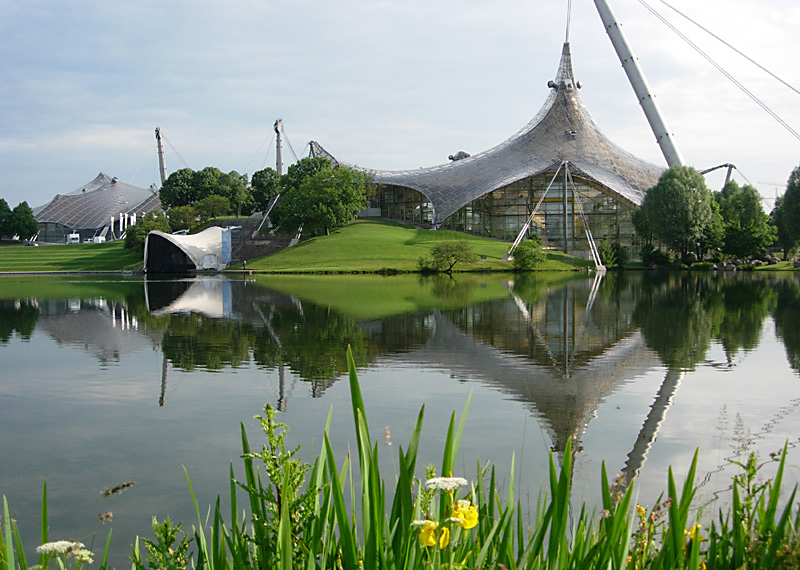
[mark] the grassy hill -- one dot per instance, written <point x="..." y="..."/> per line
<point x="74" y="257"/>
<point x="364" y="246"/>
<point x="371" y="246"/>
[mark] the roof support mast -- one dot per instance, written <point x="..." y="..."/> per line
<point x="278" y="126"/>
<point x="639" y="84"/>
<point x="162" y="166"/>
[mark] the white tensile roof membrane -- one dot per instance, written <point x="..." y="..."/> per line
<point x="562" y="131"/>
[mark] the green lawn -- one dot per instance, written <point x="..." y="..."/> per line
<point x="74" y="257"/>
<point x="371" y="246"/>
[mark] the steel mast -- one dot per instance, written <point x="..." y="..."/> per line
<point x="639" y="84"/>
<point x="278" y="126"/>
<point x="162" y="166"/>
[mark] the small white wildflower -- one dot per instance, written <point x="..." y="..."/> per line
<point x="455" y="520"/>
<point x="446" y="483"/>
<point x="464" y="503"/>
<point x="59" y="547"/>
<point x="419" y="522"/>
<point x="83" y="555"/>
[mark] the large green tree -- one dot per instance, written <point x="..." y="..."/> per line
<point x="212" y="206"/>
<point x="5" y="218"/>
<point x="325" y="199"/>
<point x="234" y="187"/>
<point x="678" y="209"/>
<point x="206" y="182"/>
<point x="22" y="221"/>
<point x="786" y="214"/>
<point x="265" y="185"/>
<point x="177" y="189"/>
<point x="746" y="225"/>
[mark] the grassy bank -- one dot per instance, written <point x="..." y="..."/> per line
<point x="110" y="256"/>
<point x="345" y="514"/>
<point x="373" y="246"/>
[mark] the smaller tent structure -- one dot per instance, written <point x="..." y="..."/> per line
<point x="209" y="250"/>
<point x="87" y="212"/>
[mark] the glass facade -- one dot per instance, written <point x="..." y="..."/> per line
<point x="560" y="221"/>
<point x="405" y="204"/>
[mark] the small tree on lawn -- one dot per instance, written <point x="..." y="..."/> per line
<point x="446" y="254"/>
<point x="528" y="255"/>
<point x="212" y="206"/>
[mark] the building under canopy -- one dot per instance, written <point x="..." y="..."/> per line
<point x="209" y="250"/>
<point x="88" y="210"/>
<point x="560" y="166"/>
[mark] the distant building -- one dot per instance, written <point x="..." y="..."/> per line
<point x="87" y="213"/>
<point x="560" y="165"/>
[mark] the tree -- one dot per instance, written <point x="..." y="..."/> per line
<point x="22" y="221"/>
<point x="5" y="219"/>
<point x="136" y="235"/>
<point x="212" y="206"/>
<point x="746" y="226"/>
<point x="182" y="217"/>
<point x="302" y="169"/>
<point x="177" y="189"/>
<point x="528" y="255"/>
<point x="265" y="185"/>
<point x="234" y="187"/>
<point x="205" y="182"/>
<point x="324" y="200"/>
<point x="678" y="209"/>
<point x="786" y="214"/>
<point x="446" y="254"/>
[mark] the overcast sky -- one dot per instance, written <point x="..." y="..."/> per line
<point x="380" y="84"/>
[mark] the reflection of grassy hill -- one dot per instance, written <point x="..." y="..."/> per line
<point x="376" y="245"/>
<point x="371" y="296"/>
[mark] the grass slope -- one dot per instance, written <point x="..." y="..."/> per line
<point x="110" y="256"/>
<point x="371" y="246"/>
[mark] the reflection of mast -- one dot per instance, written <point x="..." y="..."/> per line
<point x="162" y="399"/>
<point x="651" y="425"/>
<point x="281" y="372"/>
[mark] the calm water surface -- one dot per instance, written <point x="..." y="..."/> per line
<point x="117" y="380"/>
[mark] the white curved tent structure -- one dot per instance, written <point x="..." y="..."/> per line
<point x="209" y="250"/>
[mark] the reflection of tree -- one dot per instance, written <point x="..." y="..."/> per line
<point x="680" y="314"/>
<point x="193" y="341"/>
<point x="745" y="305"/>
<point x="448" y="288"/>
<point x="674" y="318"/>
<point x="19" y="316"/>
<point x="786" y="314"/>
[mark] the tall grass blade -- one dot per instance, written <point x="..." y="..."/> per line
<point x="349" y="549"/>
<point x="7" y="539"/>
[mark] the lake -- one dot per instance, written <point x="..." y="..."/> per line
<point x="113" y="380"/>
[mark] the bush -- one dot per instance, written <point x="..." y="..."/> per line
<point x="136" y="235"/>
<point x="652" y="256"/>
<point x="182" y="217"/>
<point x="528" y="255"/>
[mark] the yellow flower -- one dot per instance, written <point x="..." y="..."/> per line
<point x="466" y="514"/>
<point x="641" y="510"/>
<point x="427" y="534"/>
<point x="444" y="539"/>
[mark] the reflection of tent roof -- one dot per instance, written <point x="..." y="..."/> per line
<point x="208" y="296"/>
<point x="92" y="205"/>
<point x="566" y="404"/>
<point x="168" y="253"/>
<point x="562" y="131"/>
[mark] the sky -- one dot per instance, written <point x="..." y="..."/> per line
<point x="380" y="84"/>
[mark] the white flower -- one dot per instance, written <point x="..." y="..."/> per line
<point x="446" y="483"/>
<point x="59" y="547"/>
<point x="419" y="522"/>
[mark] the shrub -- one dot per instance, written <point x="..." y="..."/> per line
<point x="136" y="235"/>
<point x="528" y="255"/>
<point x="652" y="256"/>
<point x="446" y="254"/>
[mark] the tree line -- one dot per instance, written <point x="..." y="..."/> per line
<point x="313" y="195"/>
<point x="17" y="222"/>
<point x="695" y="223"/>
